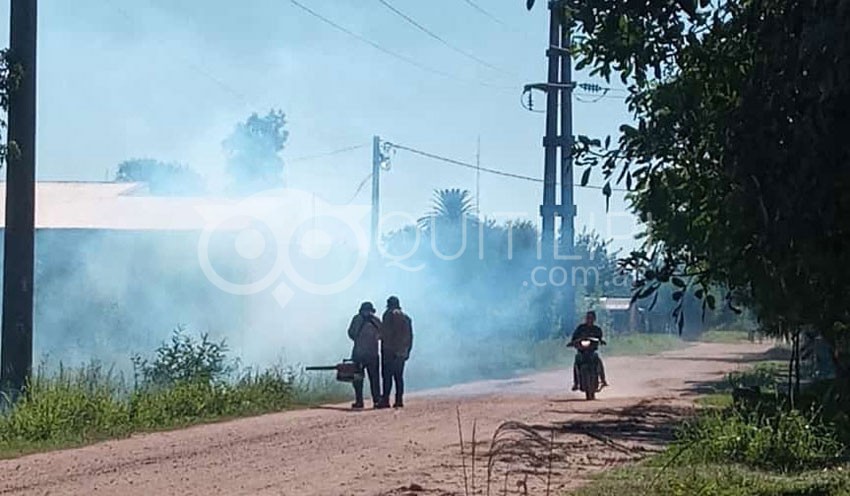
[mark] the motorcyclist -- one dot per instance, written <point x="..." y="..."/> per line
<point x="587" y="329"/>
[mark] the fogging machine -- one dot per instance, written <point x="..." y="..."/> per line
<point x="346" y="370"/>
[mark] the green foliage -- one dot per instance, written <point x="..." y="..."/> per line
<point x="187" y="381"/>
<point x="717" y="480"/>
<point x="737" y="158"/>
<point x="162" y="178"/>
<point x="253" y="152"/>
<point x="184" y="359"/>
<point x="72" y="405"/>
<point x="784" y="441"/>
<point x="9" y="77"/>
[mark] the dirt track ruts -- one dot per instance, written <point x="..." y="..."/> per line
<point x="415" y="451"/>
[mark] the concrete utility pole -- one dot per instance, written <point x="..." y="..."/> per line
<point x="19" y="242"/>
<point x="568" y="208"/>
<point x="376" y="191"/>
<point x="478" y="178"/>
<point x="559" y="136"/>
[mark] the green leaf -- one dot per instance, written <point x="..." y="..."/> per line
<point x="677" y="295"/>
<point x="529" y="4"/>
<point x="678" y="282"/>
<point x="710" y="301"/>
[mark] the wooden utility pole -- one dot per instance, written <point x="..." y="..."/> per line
<point x="19" y="236"/>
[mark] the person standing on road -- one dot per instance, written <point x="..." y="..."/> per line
<point x="396" y="343"/>
<point x="365" y="330"/>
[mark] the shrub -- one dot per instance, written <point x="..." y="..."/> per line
<point x="183" y="359"/>
<point x="786" y="440"/>
<point x="188" y="380"/>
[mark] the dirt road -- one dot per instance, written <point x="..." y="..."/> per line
<point x="414" y="451"/>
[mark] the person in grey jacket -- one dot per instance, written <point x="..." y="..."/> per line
<point x="365" y="331"/>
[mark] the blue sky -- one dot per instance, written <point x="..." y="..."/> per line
<point x="168" y="79"/>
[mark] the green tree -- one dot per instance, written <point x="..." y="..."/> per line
<point x="450" y="206"/>
<point x="738" y="158"/>
<point x="162" y="178"/>
<point x="253" y="152"/>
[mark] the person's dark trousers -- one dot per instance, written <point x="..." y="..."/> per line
<point x="393" y="372"/>
<point x="370" y="366"/>
<point x="599" y="367"/>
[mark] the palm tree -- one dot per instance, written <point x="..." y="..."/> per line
<point x="450" y="206"/>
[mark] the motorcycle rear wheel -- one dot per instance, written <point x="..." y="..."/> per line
<point x="589" y="383"/>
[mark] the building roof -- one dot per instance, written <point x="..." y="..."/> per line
<point x="128" y="206"/>
<point x="615" y="303"/>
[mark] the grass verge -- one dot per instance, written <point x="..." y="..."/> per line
<point x="188" y="381"/>
<point x="746" y="445"/>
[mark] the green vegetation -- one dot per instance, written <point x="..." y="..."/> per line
<point x="188" y="381"/>
<point x="724" y="336"/>
<point x="750" y="445"/>
<point x="649" y="479"/>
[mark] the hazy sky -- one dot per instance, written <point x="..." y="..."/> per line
<point x="168" y="79"/>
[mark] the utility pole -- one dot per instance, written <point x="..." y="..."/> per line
<point x="478" y="179"/>
<point x="550" y="140"/>
<point x="19" y="236"/>
<point x="376" y="191"/>
<point x="559" y="136"/>
<point x="568" y="208"/>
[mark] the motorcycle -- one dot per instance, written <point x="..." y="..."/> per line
<point x="588" y="368"/>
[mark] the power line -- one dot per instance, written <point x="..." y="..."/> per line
<point x="439" y="38"/>
<point x="484" y="12"/>
<point x="359" y="189"/>
<point x="387" y="51"/>
<point x="497" y="172"/>
<point x="305" y="158"/>
<point x="191" y="65"/>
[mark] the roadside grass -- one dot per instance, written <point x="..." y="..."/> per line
<point x="642" y="344"/>
<point x="648" y="479"/>
<point x="724" y="336"/>
<point x="748" y="444"/>
<point x="189" y="381"/>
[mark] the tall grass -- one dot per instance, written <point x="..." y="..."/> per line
<point x="187" y="380"/>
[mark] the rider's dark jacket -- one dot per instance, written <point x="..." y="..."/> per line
<point x="587" y="331"/>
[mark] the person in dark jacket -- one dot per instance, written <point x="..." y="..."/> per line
<point x="396" y="343"/>
<point x="365" y="330"/>
<point x="587" y="329"/>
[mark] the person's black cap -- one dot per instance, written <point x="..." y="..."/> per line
<point x="367" y="306"/>
<point x="392" y="302"/>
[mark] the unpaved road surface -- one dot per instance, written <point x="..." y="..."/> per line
<point x="558" y="439"/>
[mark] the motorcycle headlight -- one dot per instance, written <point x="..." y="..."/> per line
<point x="585" y="343"/>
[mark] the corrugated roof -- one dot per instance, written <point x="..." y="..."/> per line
<point x="616" y="303"/>
<point x="126" y="206"/>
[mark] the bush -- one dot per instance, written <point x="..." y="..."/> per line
<point x="787" y="440"/>
<point x="187" y="381"/>
<point x="183" y="360"/>
<point x="69" y="406"/>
